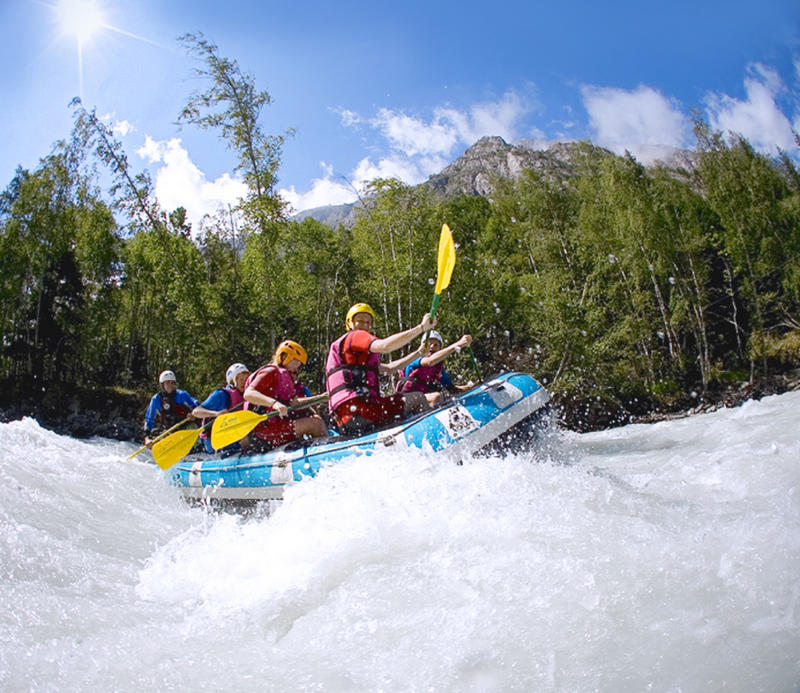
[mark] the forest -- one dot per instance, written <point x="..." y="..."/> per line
<point x="636" y="288"/>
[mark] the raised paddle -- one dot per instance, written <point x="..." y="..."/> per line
<point x="446" y="262"/>
<point x="173" y="449"/>
<point x="160" y="436"/>
<point x="232" y="427"/>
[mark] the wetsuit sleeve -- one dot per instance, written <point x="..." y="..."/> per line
<point x="446" y="381"/>
<point x="266" y="382"/>
<point x="150" y="415"/>
<point x="216" y="401"/>
<point x="360" y="341"/>
<point x="411" y="366"/>
<point x="184" y="398"/>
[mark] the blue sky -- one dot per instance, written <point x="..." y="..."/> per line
<point x="397" y="89"/>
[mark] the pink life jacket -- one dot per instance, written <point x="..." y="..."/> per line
<point x="422" y="379"/>
<point x="284" y="392"/>
<point x="345" y="378"/>
<point x="234" y="397"/>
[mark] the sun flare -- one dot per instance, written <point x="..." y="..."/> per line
<point x="80" y="18"/>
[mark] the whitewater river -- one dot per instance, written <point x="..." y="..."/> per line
<point x="661" y="557"/>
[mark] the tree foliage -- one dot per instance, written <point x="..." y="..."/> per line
<point x="619" y="282"/>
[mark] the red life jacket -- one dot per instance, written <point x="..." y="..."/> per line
<point x="171" y="413"/>
<point x="422" y="379"/>
<point x="284" y="391"/>
<point x="350" y="374"/>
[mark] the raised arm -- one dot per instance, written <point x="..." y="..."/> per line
<point x="394" y="366"/>
<point x="400" y="339"/>
<point x="442" y="354"/>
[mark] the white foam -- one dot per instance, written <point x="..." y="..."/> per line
<point x="662" y="557"/>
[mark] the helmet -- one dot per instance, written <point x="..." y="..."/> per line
<point x="433" y="334"/>
<point x="165" y="376"/>
<point x="288" y="350"/>
<point x="355" y="310"/>
<point x="233" y="371"/>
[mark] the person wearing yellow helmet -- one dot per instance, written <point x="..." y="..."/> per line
<point x="274" y="387"/>
<point x="353" y="368"/>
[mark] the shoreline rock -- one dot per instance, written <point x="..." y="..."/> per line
<point x="111" y="414"/>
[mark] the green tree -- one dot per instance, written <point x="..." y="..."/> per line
<point x="232" y="104"/>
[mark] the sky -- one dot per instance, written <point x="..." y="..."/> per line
<point x="401" y="90"/>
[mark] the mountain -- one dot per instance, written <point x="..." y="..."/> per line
<point x="491" y="158"/>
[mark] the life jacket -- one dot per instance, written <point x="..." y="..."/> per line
<point x="284" y="392"/>
<point x="234" y="397"/>
<point x="348" y="374"/>
<point x="171" y="413"/>
<point x="422" y="379"/>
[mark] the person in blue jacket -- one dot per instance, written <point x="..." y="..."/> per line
<point x="167" y="407"/>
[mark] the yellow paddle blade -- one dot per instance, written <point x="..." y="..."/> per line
<point x="175" y="447"/>
<point x="447" y="259"/>
<point x="233" y="426"/>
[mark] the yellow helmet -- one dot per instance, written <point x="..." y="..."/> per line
<point x="355" y="310"/>
<point x="288" y="350"/>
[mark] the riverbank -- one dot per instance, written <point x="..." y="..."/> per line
<point x="83" y="413"/>
<point x="584" y="415"/>
<point x="118" y="414"/>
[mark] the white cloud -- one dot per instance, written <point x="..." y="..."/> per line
<point x="642" y="121"/>
<point x="413" y="136"/>
<point x="324" y="191"/>
<point x="758" y="118"/>
<point x="122" y="128"/>
<point x="449" y="126"/>
<point x="179" y="183"/>
<point x="417" y="147"/>
<point x="398" y="167"/>
<point x="329" y="191"/>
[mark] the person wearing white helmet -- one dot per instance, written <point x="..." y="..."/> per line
<point x="353" y="368"/>
<point x="427" y="374"/>
<point x="167" y="407"/>
<point x="223" y="400"/>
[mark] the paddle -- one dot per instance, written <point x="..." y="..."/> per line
<point x="232" y="427"/>
<point x="173" y="449"/>
<point x="159" y="437"/>
<point x="446" y="262"/>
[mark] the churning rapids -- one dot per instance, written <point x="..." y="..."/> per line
<point x="659" y="557"/>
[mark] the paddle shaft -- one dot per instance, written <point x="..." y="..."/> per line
<point x="232" y="433"/>
<point x="160" y="436"/>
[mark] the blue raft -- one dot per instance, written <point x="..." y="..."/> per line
<point x="501" y="414"/>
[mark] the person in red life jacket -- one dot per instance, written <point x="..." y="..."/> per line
<point x="223" y="400"/>
<point x="427" y="374"/>
<point x="274" y="388"/>
<point x="167" y="407"/>
<point x="352" y="371"/>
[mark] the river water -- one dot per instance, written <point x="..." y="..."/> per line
<point x="660" y="557"/>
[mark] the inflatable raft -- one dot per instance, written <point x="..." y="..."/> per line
<point x="501" y="414"/>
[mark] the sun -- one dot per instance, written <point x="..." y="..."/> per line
<point x="80" y="18"/>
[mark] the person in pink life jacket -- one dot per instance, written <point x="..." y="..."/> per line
<point x="427" y="374"/>
<point x="274" y="388"/>
<point x="353" y="368"/>
<point x="221" y="401"/>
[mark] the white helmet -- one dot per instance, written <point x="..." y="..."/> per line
<point x="433" y="334"/>
<point x="233" y="370"/>
<point x="165" y="376"/>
